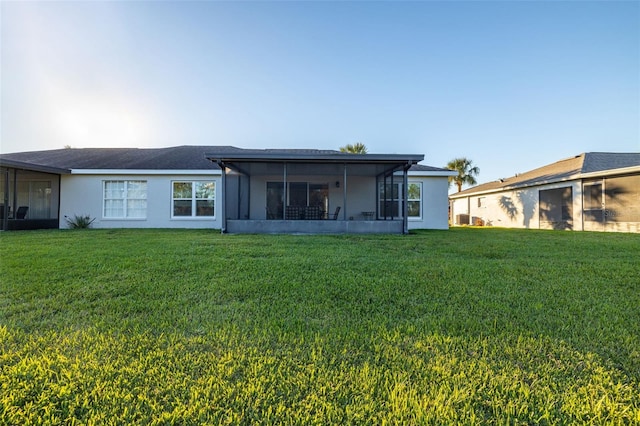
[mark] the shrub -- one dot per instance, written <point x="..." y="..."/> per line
<point x="79" y="221"/>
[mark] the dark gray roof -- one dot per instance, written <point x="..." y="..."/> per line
<point x="185" y="157"/>
<point x="600" y="161"/>
<point x="423" y="168"/>
<point x="569" y="168"/>
<point x="174" y="158"/>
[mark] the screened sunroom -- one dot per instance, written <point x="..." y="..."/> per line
<point x="320" y="192"/>
<point x="29" y="197"/>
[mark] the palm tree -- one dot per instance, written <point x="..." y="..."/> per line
<point x="356" y="148"/>
<point x="467" y="172"/>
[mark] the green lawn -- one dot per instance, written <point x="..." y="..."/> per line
<point x="191" y="327"/>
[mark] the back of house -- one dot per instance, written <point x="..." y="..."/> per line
<point x="594" y="191"/>
<point x="223" y="187"/>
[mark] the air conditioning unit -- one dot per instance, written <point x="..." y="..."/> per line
<point x="462" y="219"/>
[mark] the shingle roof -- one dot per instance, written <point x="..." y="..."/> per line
<point x="569" y="168"/>
<point x="599" y="161"/>
<point x="423" y="168"/>
<point x="174" y="158"/>
<point x="185" y="157"/>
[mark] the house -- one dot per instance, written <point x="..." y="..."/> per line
<point x="222" y="187"/>
<point x="594" y="191"/>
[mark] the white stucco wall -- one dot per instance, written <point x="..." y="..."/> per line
<point x="434" y="203"/>
<point x="515" y="208"/>
<point x="83" y="195"/>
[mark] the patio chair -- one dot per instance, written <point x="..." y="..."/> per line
<point x="292" y="213"/>
<point x="21" y="213"/>
<point x="335" y="215"/>
<point x="312" y="213"/>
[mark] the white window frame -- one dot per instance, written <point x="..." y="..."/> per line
<point x="419" y="200"/>
<point x="126" y="199"/>
<point x="194" y="200"/>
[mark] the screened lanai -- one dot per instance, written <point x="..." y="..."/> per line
<point x="29" y="196"/>
<point x="309" y="191"/>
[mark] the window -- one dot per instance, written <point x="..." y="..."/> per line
<point x="414" y="199"/>
<point x="194" y="199"/>
<point x="125" y="199"/>
<point x="390" y="197"/>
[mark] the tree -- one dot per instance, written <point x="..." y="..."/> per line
<point x="467" y="172"/>
<point x="356" y="148"/>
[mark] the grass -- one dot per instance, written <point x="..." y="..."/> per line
<point x="472" y="326"/>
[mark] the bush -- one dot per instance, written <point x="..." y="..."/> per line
<point x="79" y="222"/>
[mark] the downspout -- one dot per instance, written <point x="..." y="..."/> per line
<point x="223" y="214"/>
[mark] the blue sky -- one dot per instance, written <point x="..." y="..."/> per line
<point x="510" y="85"/>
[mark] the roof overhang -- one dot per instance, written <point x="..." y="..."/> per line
<point x="513" y="187"/>
<point x="167" y="172"/>
<point x="317" y="158"/>
<point x="32" y="167"/>
<point x="620" y="171"/>
<point x="569" y="178"/>
<point x="432" y="173"/>
<point x="318" y="164"/>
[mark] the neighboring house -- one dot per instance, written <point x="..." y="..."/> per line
<point x="222" y="187"/>
<point x="594" y="191"/>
